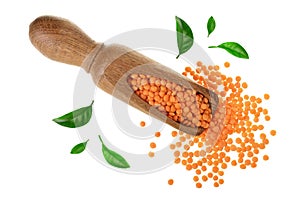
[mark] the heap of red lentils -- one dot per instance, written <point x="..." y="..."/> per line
<point x="235" y="137"/>
<point x="179" y="103"/>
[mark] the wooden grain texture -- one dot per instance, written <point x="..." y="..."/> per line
<point x="61" y="40"/>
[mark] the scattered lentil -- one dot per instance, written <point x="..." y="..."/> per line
<point x="226" y="64"/>
<point x="152" y="145"/>
<point x="157" y="134"/>
<point x="234" y="137"/>
<point x="142" y="124"/>
<point x="151" y="154"/>
<point x="170" y="181"/>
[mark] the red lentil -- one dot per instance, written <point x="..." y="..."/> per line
<point x="151" y="154"/>
<point x="152" y="145"/>
<point x="226" y="64"/>
<point x="170" y="181"/>
<point x="157" y="134"/>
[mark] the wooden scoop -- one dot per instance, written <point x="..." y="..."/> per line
<point x="109" y="65"/>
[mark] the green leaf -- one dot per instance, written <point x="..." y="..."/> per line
<point x="185" y="36"/>
<point x="78" y="148"/>
<point x="112" y="157"/>
<point x="234" y="49"/>
<point x="76" y="118"/>
<point x="211" y="25"/>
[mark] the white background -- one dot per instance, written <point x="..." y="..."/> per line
<point x="34" y="152"/>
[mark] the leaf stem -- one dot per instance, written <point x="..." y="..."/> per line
<point x="92" y="103"/>
<point x="100" y="139"/>
<point x="177" y="56"/>
<point x="213" y="47"/>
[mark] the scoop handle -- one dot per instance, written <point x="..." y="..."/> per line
<point x="60" y="40"/>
